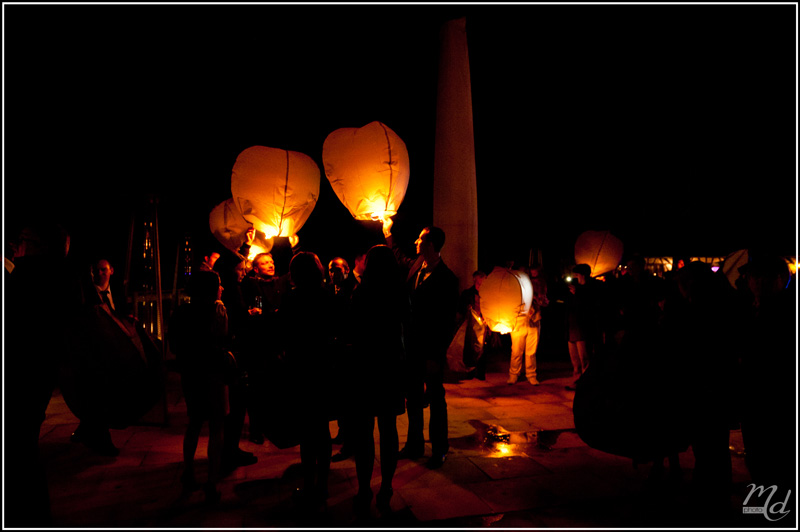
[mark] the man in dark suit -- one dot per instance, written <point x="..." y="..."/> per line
<point x="94" y="433"/>
<point x="340" y="286"/>
<point x="433" y="291"/>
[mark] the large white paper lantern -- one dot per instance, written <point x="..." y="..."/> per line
<point x="230" y="228"/>
<point x="275" y="189"/>
<point x="506" y="297"/>
<point x="601" y="250"/>
<point x="368" y="169"/>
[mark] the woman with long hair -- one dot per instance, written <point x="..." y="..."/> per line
<point x="304" y="318"/>
<point x="380" y="310"/>
<point x="198" y="337"/>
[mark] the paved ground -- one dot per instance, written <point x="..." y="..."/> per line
<point x="544" y="476"/>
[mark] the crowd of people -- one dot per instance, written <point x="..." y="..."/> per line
<point x="370" y="343"/>
<point x="357" y="345"/>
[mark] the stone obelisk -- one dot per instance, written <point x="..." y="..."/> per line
<point x="455" y="193"/>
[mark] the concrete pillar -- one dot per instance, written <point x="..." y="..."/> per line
<point x="455" y="194"/>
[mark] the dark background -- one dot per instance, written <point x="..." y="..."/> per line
<point x="672" y="126"/>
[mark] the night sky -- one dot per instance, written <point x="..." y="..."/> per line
<point x="672" y="126"/>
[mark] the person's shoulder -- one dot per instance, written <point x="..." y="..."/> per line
<point x="447" y="271"/>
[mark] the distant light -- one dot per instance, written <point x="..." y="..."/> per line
<point x="715" y="269"/>
<point x="569" y="279"/>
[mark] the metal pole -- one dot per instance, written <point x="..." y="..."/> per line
<point x="128" y="257"/>
<point x="174" y="303"/>
<point x="159" y="301"/>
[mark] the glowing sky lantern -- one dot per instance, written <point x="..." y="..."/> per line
<point x="506" y="297"/>
<point x="368" y="169"/>
<point x="229" y="227"/>
<point x="601" y="250"/>
<point x="275" y="189"/>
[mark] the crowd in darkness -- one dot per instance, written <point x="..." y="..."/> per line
<point x="293" y="346"/>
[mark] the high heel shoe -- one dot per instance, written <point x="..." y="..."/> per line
<point x="382" y="500"/>
<point x="188" y="482"/>
<point x="212" y="495"/>
<point x="362" y="503"/>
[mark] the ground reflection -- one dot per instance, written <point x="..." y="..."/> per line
<point x="500" y="443"/>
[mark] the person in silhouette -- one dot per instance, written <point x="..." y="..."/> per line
<point x="582" y="324"/>
<point x="198" y="335"/>
<point x="433" y="291"/>
<point x="307" y="342"/>
<point x="340" y="285"/>
<point x="92" y="431"/>
<point x="525" y="339"/>
<point x="241" y="326"/>
<point x="769" y="369"/>
<point x="381" y="310"/>
<point x="700" y="336"/>
<point x="42" y="296"/>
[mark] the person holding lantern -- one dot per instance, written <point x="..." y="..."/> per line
<point x="433" y="290"/>
<point x="525" y="339"/>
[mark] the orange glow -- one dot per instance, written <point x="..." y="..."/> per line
<point x="601" y="250"/>
<point x="506" y="297"/>
<point x="255" y="250"/>
<point x="275" y="190"/>
<point x="368" y="170"/>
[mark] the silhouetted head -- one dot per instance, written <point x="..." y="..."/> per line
<point x="430" y="240"/>
<point x="767" y="276"/>
<point x="306" y="270"/>
<point x="204" y="287"/>
<point x="381" y="265"/>
<point x="582" y="272"/>
<point x="696" y="281"/>
<point x="338" y="270"/>
<point x="477" y="279"/>
<point x="635" y="265"/>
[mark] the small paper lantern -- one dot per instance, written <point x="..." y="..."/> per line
<point x="506" y="297"/>
<point x="274" y="189"/>
<point x="601" y="250"/>
<point x="368" y="169"/>
<point x="229" y="227"/>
